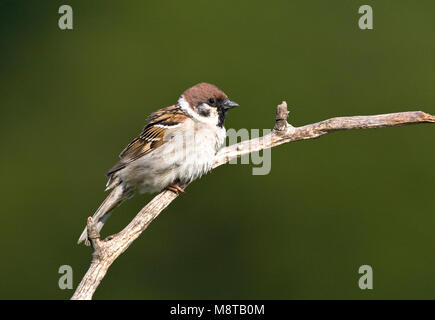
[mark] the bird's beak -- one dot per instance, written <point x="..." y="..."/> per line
<point x="229" y="104"/>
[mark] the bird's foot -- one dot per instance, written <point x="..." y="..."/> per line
<point x="175" y="188"/>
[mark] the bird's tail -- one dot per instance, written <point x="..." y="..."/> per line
<point x="103" y="213"/>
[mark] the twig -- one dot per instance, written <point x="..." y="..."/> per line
<point x="106" y="251"/>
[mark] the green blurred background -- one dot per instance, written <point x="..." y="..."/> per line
<point x="71" y="100"/>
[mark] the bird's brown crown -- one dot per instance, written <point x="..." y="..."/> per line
<point x="202" y="93"/>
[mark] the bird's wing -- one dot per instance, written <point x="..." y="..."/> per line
<point x="159" y="124"/>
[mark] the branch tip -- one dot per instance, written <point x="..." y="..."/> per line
<point x="429" y="117"/>
<point x="281" y="117"/>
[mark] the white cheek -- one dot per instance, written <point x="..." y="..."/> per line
<point x="214" y="113"/>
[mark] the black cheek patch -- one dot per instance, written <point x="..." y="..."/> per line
<point x="205" y="112"/>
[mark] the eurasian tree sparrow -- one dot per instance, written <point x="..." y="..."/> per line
<point x="177" y="145"/>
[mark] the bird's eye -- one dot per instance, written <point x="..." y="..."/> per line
<point x="211" y="100"/>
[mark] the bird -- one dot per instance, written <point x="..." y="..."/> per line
<point x="177" y="145"/>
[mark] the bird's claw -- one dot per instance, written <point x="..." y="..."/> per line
<point x="175" y="188"/>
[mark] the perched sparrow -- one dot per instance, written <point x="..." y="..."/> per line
<point x="177" y="145"/>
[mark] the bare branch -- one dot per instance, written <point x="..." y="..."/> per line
<point x="106" y="251"/>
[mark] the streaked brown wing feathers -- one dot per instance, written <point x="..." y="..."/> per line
<point x="152" y="135"/>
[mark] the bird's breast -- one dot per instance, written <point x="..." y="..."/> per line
<point x="198" y="152"/>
